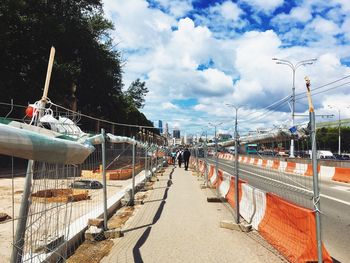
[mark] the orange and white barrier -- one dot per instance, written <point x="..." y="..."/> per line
<point x="291" y="230"/>
<point x="326" y="172"/>
<point x="341" y="175"/>
<point x="223" y="184"/>
<point x="213" y="178"/>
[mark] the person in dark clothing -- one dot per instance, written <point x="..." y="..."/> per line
<point x="186" y="157"/>
<point x="179" y="157"/>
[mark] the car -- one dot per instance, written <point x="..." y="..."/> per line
<point x="86" y="184"/>
<point x="345" y="157"/>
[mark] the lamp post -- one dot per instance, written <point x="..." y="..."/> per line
<point x="236" y="163"/>
<point x="339" y="134"/>
<point x="216" y="145"/>
<point x="294" y="67"/>
<point x="339" y="124"/>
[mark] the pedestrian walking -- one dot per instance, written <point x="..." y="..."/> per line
<point x="173" y="157"/>
<point x="186" y="156"/>
<point x="179" y="157"/>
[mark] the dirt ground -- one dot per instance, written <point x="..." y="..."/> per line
<point x="93" y="252"/>
<point x="8" y="227"/>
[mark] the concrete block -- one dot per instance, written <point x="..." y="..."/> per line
<point x="98" y="222"/>
<point x="215" y="199"/>
<point x="94" y="233"/>
<point x="113" y="233"/>
<point x="229" y="224"/>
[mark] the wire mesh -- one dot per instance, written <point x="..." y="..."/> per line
<point x="63" y="197"/>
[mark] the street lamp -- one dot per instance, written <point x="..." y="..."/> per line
<point x="236" y="164"/>
<point x="339" y="124"/>
<point x="294" y="67"/>
<point x="216" y="146"/>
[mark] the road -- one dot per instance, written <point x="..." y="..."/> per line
<point x="335" y="201"/>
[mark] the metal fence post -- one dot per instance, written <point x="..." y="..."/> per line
<point x="197" y="165"/>
<point x="236" y="173"/>
<point x="316" y="198"/>
<point x="17" y="249"/>
<point x="133" y="172"/>
<point x="105" y="215"/>
<point x="146" y="165"/>
<point x="205" y="162"/>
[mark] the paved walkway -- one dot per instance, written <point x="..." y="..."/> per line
<point x="176" y="224"/>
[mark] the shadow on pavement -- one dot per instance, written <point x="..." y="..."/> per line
<point x="143" y="238"/>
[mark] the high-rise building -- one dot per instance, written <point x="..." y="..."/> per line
<point x="160" y="127"/>
<point x="176" y="134"/>
<point x="166" y="131"/>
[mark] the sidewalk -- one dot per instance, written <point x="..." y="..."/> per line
<point x="176" y="224"/>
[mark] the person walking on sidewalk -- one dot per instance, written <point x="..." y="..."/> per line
<point x="173" y="157"/>
<point x="186" y="156"/>
<point x="179" y="157"/>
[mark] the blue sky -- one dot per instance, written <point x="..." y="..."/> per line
<point x="197" y="56"/>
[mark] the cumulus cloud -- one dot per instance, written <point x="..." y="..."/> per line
<point x="266" y="6"/>
<point x="213" y="57"/>
<point x="138" y="25"/>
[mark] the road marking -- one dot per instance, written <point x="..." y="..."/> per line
<point x="335" y="199"/>
<point x="306" y="191"/>
<point x="341" y="188"/>
<point x="322" y="195"/>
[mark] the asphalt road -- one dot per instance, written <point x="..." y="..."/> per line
<point x="335" y="201"/>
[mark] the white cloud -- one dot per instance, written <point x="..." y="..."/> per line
<point x="323" y="26"/>
<point x="264" y="5"/>
<point x="137" y="25"/>
<point x="228" y="10"/>
<point x="169" y="105"/>
<point x="301" y="14"/>
<point x="177" y="8"/>
<point x="206" y="59"/>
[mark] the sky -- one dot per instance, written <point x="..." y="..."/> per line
<point x="198" y="56"/>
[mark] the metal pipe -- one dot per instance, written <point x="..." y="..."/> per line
<point x="104" y="180"/>
<point x="316" y="198"/>
<point x="17" y="248"/>
<point x="236" y="170"/>
<point x="133" y="174"/>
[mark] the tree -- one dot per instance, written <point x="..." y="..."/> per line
<point x="85" y="57"/>
<point x="136" y="93"/>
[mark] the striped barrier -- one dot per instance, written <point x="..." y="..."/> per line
<point x="339" y="174"/>
<point x="230" y="196"/>
<point x="213" y="177"/>
<point x="291" y="230"/>
<point x="223" y="185"/>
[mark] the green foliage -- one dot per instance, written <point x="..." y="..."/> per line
<point x="327" y="139"/>
<point x="84" y="56"/>
<point x="136" y="93"/>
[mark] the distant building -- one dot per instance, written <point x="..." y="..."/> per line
<point x="160" y="127"/>
<point x="176" y="134"/>
<point x="166" y="131"/>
